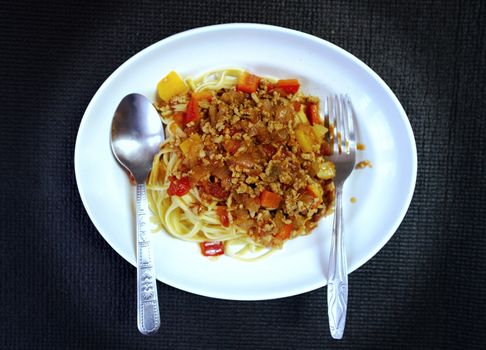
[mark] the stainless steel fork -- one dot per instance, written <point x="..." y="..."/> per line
<point x="341" y="137"/>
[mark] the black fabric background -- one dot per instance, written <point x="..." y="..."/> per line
<point x="63" y="287"/>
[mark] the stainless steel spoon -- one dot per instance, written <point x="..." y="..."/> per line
<point x="136" y="133"/>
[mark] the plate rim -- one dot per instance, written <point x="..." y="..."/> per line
<point x="265" y="27"/>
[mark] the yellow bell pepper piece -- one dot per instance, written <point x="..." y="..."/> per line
<point x="191" y="146"/>
<point x="300" y="118"/>
<point x="316" y="190"/>
<point x="304" y="139"/>
<point x="319" y="130"/>
<point x="171" y="85"/>
<point x="327" y="171"/>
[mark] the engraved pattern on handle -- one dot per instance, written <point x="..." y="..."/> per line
<point x="337" y="285"/>
<point x="148" y="315"/>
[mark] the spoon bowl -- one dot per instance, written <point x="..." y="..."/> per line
<point x="136" y="134"/>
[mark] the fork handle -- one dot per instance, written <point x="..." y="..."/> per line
<point x="147" y="301"/>
<point x="337" y="285"/>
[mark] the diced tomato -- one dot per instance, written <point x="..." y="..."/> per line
<point x="214" y="189"/>
<point x="312" y="113"/>
<point x="269" y="149"/>
<point x="179" y="187"/>
<point x="285" y="231"/>
<point x="179" y="118"/>
<point x="212" y="248"/>
<point x="296" y="106"/>
<point x="247" y="82"/>
<point x="232" y="146"/>
<point x="189" y="130"/>
<point x="234" y="130"/>
<point x="270" y="200"/>
<point x="326" y="149"/>
<point x="223" y="216"/>
<point x="198" y="172"/>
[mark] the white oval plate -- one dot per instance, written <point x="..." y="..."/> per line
<point x="383" y="192"/>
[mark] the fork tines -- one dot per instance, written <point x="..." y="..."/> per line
<point x="338" y="119"/>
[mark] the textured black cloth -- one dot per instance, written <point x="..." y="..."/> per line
<point x="63" y="287"/>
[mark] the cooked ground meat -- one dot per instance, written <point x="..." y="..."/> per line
<point x="256" y="155"/>
<point x="364" y="164"/>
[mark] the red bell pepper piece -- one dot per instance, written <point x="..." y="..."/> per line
<point x="192" y="110"/>
<point x="212" y="248"/>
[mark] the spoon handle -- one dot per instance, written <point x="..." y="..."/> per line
<point x="148" y="316"/>
<point x="337" y="284"/>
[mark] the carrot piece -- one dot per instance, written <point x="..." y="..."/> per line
<point x="202" y="95"/>
<point x="270" y="200"/>
<point x="312" y="113"/>
<point x="290" y="86"/>
<point x="285" y="232"/>
<point x="179" y="118"/>
<point x="247" y="82"/>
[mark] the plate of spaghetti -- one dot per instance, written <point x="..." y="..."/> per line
<point x="241" y="191"/>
